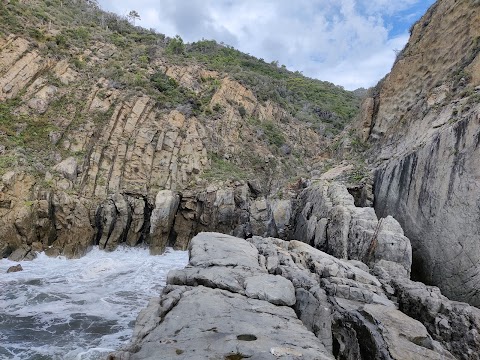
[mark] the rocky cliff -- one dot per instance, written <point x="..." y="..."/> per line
<point x="422" y="123"/>
<point x="113" y="134"/>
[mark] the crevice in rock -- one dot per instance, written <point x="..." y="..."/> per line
<point x="145" y="232"/>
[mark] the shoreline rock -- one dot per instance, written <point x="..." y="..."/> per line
<point x="208" y="310"/>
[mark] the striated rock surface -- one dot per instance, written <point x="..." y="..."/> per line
<point x="422" y="122"/>
<point x="213" y="309"/>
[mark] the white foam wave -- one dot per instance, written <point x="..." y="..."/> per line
<point x="78" y="309"/>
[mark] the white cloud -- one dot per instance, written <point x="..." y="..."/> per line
<point x="346" y="41"/>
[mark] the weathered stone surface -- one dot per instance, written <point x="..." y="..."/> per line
<point x="423" y="131"/>
<point x="327" y="218"/>
<point x="212" y="249"/>
<point x="314" y="310"/>
<point x="225" y="278"/>
<point x="74" y="233"/>
<point x="405" y="337"/>
<point x="224" y="302"/>
<point x="456" y="325"/>
<point x="235" y="326"/>
<point x="68" y="168"/>
<point x="20" y="253"/>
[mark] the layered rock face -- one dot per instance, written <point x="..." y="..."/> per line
<point x="422" y="122"/>
<point x="112" y="166"/>
<point x="266" y="298"/>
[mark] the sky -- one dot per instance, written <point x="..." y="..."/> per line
<point x="351" y="43"/>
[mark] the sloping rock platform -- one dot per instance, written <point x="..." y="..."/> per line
<point x="265" y="298"/>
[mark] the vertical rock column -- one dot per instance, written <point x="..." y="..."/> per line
<point x="161" y="221"/>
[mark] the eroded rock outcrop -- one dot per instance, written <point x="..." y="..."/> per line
<point x="318" y="306"/>
<point x="327" y="218"/>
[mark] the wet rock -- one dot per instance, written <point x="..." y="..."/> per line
<point x="15" y="268"/>
<point x="20" y="253"/>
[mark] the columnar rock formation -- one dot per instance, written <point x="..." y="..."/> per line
<point x="422" y="121"/>
<point x="267" y="298"/>
<point x="107" y="153"/>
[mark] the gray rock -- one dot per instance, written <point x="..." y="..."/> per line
<point x="20" y="253"/>
<point x="112" y="222"/>
<point x="405" y="337"/>
<point x="9" y="178"/>
<point x="281" y="212"/>
<point x="216" y="324"/>
<point x="39" y="105"/>
<point x="314" y="310"/>
<point x="225" y="278"/>
<point x="225" y="305"/>
<point x="455" y="325"/>
<point x="272" y="288"/>
<point x="424" y="138"/>
<point x="136" y="229"/>
<point x="327" y="218"/>
<point x="259" y="217"/>
<point x="213" y="249"/>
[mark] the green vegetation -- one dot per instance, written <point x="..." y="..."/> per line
<point x="359" y="173"/>
<point x="169" y="93"/>
<point x="24" y="131"/>
<point x="222" y="169"/>
<point x="175" y="46"/>
<point x="325" y="106"/>
<point x="307" y="99"/>
<point x="273" y="133"/>
<point x="6" y="163"/>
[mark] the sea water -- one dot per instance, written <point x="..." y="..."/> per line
<point x="78" y="309"/>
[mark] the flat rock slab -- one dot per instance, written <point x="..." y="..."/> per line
<point x="272" y="288"/>
<point x="217" y="324"/>
<point x="213" y="249"/>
